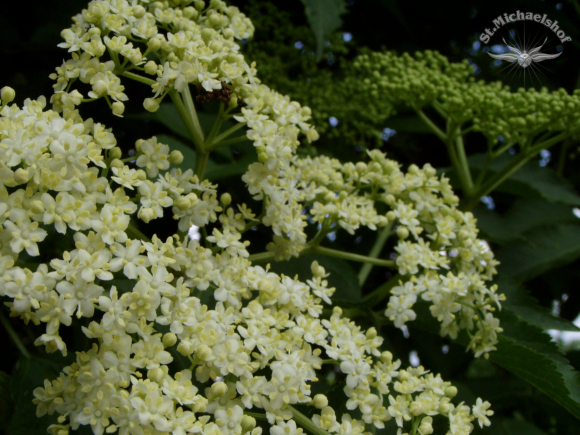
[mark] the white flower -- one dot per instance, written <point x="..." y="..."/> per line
<point x="481" y="411"/>
<point x="25" y="235"/>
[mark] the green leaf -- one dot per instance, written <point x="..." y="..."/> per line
<point x="30" y="374"/>
<point x="528" y="352"/>
<point x="324" y="18"/>
<point x="168" y="116"/>
<point x="530" y="181"/>
<point x="493" y="226"/>
<point x="342" y="276"/>
<point x="544" y="249"/>
<point x="526" y="308"/>
<point x="516" y="427"/>
<point x="524" y="215"/>
<point x="219" y="172"/>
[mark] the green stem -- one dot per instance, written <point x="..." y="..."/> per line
<point x="562" y="158"/>
<point x="348" y="256"/>
<point x="306" y="423"/>
<point x="455" y="162"/>
<point x="229" y="142"/>
<point x="14" y="336"/>
<point x="196" y="137"/>
<point x="439" y="109"/>
<point x="463" y="161"/>
<point x="331" y="361"/>
<point x="536" y="148"/>
<point x="201" y="163"/>
<point x="510" y="168"/>
<point x="483" y="171"/>
<point x="227" y="133"/>
<point x="503" y="149"/>
<point x="431" y="125"/>
<point x="383" y="291"/>
<point x="217" y="124"/>
<point x="256" y="415"/>
<point x="138" y="78"/>
<point x="261" y="257"/>
<point x="378" y="246"/>
<point x="191" y="109"/>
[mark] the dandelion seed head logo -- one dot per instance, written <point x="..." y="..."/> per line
<point x="520" y="41"/>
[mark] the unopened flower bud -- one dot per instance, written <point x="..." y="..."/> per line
<point x="226" y="199"/>
<point x="118" y="108"/>
<point x="115" y="153"/>
<point x="151" y="68"/>
<point x="153" y="44"/>
<point x="190" y="13"/>
<point x="151" y="104"/>
<point x="371" y="333"/>
<point x="219" y="389"/>
<point x="361" y="167"/>
<point x="185" y="348"/>
<point x="94" y="31"/>
<point x="135" y="57"/>
<point x="402" y="232"/>
<point x="228" y="33"/>
<point x="175" y="158"/>
<point x="403" y="375"/>
<point x="207" y="34"/>
<point x="76" y="97"/>
<point x="169" y="339"/>
<point x="182" y="203"/>
<point x="386" y="357"/>
<point x="155" y="374"/>
<point x="37" y="207"/>
<point x="21" y="176"/>
<point x="248" y="423"/>
<point x="320" y="401"/>
<point x="451" y="392"/>
<point x="426" y="426"/>
<point x="391" y="216"/>
<point x="116" y="163"/>
<point x="199" y="5"/>
<point x="203" y="353"/>
<point x="141" y="175"/>
<point x="317" y="269"/>
<point x="216" y="46"/>
<point x="139" y="11"/>
<point x="7" y="94"/>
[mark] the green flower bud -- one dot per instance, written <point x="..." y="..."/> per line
<point x="320" y="401"/>
<point x="226" y="199"/>
<point x="151" y="104"/>
<point x="248" y="423"/>
<point x="7" y="94"/>
<point x="176" y="157"/>
<point x="118" y="108"/>
<point x="153" y="44"/>
<point x="169" y="339"/>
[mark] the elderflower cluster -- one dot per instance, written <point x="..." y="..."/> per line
<point x="258" y="348"/>
<point x="161" y="360"/>
<point x="175" y="43"/>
